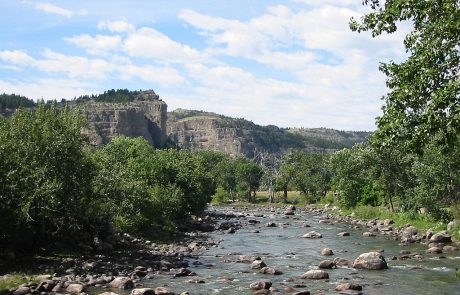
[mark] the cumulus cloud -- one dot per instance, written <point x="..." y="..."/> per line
<point x="47" y="88"/>
<point x="150" y="43"/>
<point x="98" y="44"/>
<point x="119" y="26"/>
<point x="88" y="69"/>
<point x="54" y="9"/>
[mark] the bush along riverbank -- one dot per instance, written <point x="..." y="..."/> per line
<point x="402" y="227"/>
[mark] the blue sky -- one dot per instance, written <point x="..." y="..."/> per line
<point x="291" y="63"/>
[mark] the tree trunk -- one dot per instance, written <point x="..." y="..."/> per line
<point x="285" y="193"/>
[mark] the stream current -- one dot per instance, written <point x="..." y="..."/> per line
<point x="283" y="248"/>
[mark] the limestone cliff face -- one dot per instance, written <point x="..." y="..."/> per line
<point x="138" y="118"/>
<point x="206" y="133"/>
<point x="197" y="130"/>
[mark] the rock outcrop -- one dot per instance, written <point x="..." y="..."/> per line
<point x="198" y="130"/>
<point x="137" y="118"/>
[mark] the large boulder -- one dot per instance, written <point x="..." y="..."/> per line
<point x="122" y="283"/>
<point x="370" y="260"/>
<point x="348" y="286"/>
<point x="163" y="291"/>
<point x="327" y="252"/>
<point x="326" y="264"/>
<point x="260" y="285"/>
<point x="441" y="237"/>
<point x="258" y="264"/>
<point x="75" y="288"/>
<point x="270" y="271"/>
<point x="312" y="235"/>
<point x="143" y="291"/>
<point x="315" y="274"/>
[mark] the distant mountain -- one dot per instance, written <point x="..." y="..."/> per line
<point x="196" y="130"/>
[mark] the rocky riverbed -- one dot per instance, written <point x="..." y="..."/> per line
<point x="262" y="250"/>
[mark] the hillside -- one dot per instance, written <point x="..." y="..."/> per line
<point x="143" y="113"/>
<point x="196" y="130"/>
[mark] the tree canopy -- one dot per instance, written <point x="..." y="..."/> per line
<point x="424" y="90"/>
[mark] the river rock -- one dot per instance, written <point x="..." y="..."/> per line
<point x="248" y="258"/>
<point x="441" y="237"/>
<point x="270" y="271"/>
<point x="260" y="285"/>
<point x="368" y="234"/>
<point x="258" y="264"/>
<point x="143" y="291"/>
<point x="449" y="249"/>
<point x="163" y="291"/>
<point x="75" y="288"/>
<point x="370" y="260"/>
<point x="21" y="291"/>
<point x="387" y="222"/>
<point x="122" y="283"/>
<point x="326" y="264"/>
<point x="342" y="262"/>
<point x="270" y="224"/>
<point x="327" y="252"/>
<point x="343" y="234"/>
<point x="108" y="293"/>
<point x="451" y="225"/>
<point x="46" y="286"/>
<point x="302" y="293"/>
<point x="183" y="272"/>
<point x="348" y="286"/>
<point x="409" y="231"/>
<point x="434" y="250"/>
<point x="312" y="235"/>
<point x="315" y="274"/>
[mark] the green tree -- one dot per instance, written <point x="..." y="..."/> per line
<point x="248" y="176"/>
<point x="437" y="175"/>
<point x="423" y="99"/>
<point x="45" y="186"/>
<point x="350" y="168"/>
<point x="312" y="176"/>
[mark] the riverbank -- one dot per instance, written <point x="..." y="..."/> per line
<point x="247" y="249"/>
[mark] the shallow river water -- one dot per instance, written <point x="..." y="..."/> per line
<point x="283" y="248"/>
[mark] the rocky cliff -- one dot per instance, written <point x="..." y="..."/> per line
<point x="196" y="130"/>
<point x="109" y="120"/>
<point x="145" y="116"/>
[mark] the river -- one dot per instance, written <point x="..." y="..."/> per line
<point x="282" y="247"/>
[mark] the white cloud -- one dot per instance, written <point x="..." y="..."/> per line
<point x="119" y="26"/>
<point x="49" y="88"/>
<point x="86" y="69"/>
<point x="98" y="44"/>
<point x="16" y="57"/>
<point x="148" y="42"/>
<point x="162" y="75"/>
<point x="54" y="9"/>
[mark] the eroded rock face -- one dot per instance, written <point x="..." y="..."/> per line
<point x="138" y="118"/>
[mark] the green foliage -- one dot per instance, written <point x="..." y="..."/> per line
<point x="150" y="188"/>
<point x="115" y="96"/>
<point x="248" y="176"/>
<point x="13" y="101"/>
<point x="306" y="172"/>
<point x="424" y="97"/>
<point x="221" y="196"/>
<point x="46" y="178"/>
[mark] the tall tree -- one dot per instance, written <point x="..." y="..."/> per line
<point x="424" y="96"/>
